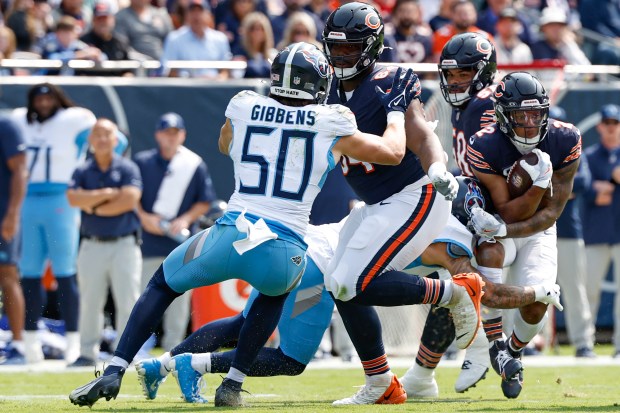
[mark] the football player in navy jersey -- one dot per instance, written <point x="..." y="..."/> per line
<point x="406" y="207"/>
<point x="523" y="126"/>
<point x="467" y="67"/>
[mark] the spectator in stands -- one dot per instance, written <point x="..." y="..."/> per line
<point x="601" y="214"/>
<point x="82" y="13"/>
<point x="444" y="17"/>
<point x="603" y="17"/>
<point x="488" y="18"/>
<point x="320" y="8"/>
<point x="196" y="41"/>
<point x="510" y="49"/>
<point x="107" y="189"/>
<point x="464" y="18"/>
<point x="299" y="28"/>
<point x="177" y="191"/>
<point x="572" y="273"/>
<point x="30" y="21"/>
<point x="231" y="22"/>
<point x="13" y="179"/>
<point x="558" y="40"/>
<point x="257" y="42"/>
<point x="413" y="39"/>
<point x="102" y="37"/>
<point x="145" y="27"/>
<point x="63" y="44"/>
<point x="279" y="23"/>
<point x="7" y="48"/>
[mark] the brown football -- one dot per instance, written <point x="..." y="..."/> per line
<point x="519" y="181"/>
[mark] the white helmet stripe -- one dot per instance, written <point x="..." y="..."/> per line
<point x="286" y="80"/>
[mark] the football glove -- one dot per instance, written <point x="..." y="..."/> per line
<point x="487" y="225"/>
<point x="548" y="294"/>
<point x="444" y="182"/>
<point x="542" y="172"/>
<point x="404" y="90"/>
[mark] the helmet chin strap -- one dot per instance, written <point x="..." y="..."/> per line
<point x="525" y="148"/>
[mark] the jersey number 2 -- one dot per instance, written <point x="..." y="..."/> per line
<point x="285" y="138"/>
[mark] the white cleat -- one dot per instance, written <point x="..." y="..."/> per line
<point x="380" y="389"/>
<point x="476" y="363"/>
<point x="418" y="383"/>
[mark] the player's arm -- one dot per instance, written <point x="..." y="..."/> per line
<point x="421" y="139"/>
<point x="551" y="206"/>
<point x="510" y="210"/>
<point x="85" y="199"/>
<point x="226" y="134"/>
<point x="19" y="178"/>
<point x="127" y="200"/>
<point x="365" y="147"/>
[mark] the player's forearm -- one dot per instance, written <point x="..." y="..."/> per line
<point x="506" y="296"/>
<point x="523" y="207"/>
<point x="85" y="199"/>
<point x="421" y="140"/>
<point x="539" y="222"/>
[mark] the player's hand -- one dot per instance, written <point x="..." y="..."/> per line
<point x="444" y="182"/>
<point x="542" y="172"/>
<point x="403" y="92"/>
<point x="487" y="225"/>
<point x="549" y="294"/>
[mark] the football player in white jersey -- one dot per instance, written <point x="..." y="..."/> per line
<point x="50" y="125"/>
<point x="282" y="147"/>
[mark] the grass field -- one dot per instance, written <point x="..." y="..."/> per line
<point x="547" y="389"/>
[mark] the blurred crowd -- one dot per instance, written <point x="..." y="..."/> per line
<point x="580" y="32"/>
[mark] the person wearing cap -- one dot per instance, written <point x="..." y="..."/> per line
<point x="196" y="41"/>
<point x="572" y="274"/>
<point x="177" y="191"/>
<point x="50" y="125"/>
<point x="106" y="188"/>
<point x="558" y="41"/>
<point x="510" y="48"/>
<point x="489" y="17"/>
<point x="102" y="37"/>
<point x="145" y="27"/>
<point x="601" y="213"/>
<point x="13" y="181"/>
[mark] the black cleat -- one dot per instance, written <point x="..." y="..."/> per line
<point x="103" y="386"/>
<point x="229" y="394"/>
<point x="512" y="387"/>
<point x="503" y="363"/>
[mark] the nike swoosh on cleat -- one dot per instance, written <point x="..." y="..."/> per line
<point x="384" y="203"/>
<point x="472" y="292"/>
<point x="389" y="395"/>
<point x="461" y="336"/>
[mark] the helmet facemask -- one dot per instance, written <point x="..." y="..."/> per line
<point x="475" y="85"/>
<point x="348" y="66"/>
<point x="526" y="126"/>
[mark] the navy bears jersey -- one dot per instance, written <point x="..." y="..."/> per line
<point x="374" y="183"/>
<point x="477" y="114"/>
<point x="490" y="151"/>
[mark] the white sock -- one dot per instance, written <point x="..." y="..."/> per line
<point x="164" y="359"/>
<point x="117" y="361"/>
<point x="19" y="346"/>
<point x="202" y="362"/>
<point x="525" y="332"/>
<point x="421" y="372"/>
<point x="235" y="375"/>
<point x="494" y="275"/>
<point x="447" y="294"/>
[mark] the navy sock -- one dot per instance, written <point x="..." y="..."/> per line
<point x="145" y="316"/>
<point x="395" y="288"/>
<point x="34" y="297"/>
<point x="211" y="336"/>
<point x="270" y="362"/>
<point x="69" y="301"/>
<point x="261" y="321"/>
<point x="436" y="338"/>
<point x="364" y="328"/>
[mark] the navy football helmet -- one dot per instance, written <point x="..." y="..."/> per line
<point x="359" y="26"/>
<point x="467" y="51"/>
<point x="471" y="193"/>
<point x="301" y="71"/>
<point x="522" y="102"/>
<point x="216" y="210"/>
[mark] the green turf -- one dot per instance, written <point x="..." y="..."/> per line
<point x="561" y="389"/>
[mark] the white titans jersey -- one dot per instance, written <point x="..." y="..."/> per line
<point x="52" y="151"/>
<point x="282" y="155"/>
